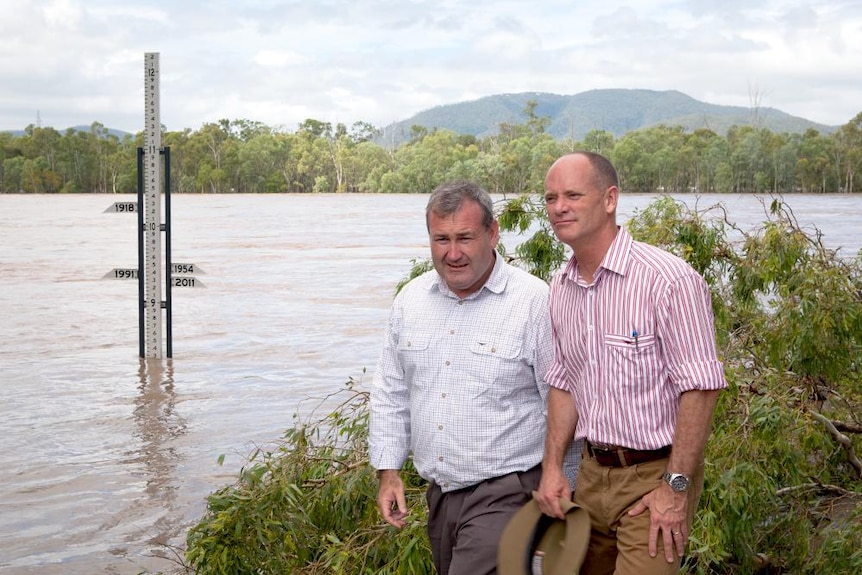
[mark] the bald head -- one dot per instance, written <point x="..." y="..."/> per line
<point x="603" y="173"/>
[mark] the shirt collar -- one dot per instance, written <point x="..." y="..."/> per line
<point x="616" y="259"/>
<point x="496" y="282"/>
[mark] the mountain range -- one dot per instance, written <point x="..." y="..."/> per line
<point x="120" y="134"/>
<point x="614" y="110"/>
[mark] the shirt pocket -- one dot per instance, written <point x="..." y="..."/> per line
<point x="414" y="342"/>
<point x="625" y="343"/>
<point x="632" y="361"/>
<point x="414" y="351"/>
<point x="496" y="348"/>
<point x="495" y="363"/>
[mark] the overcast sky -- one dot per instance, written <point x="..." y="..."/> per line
<point x="73" y="62"/>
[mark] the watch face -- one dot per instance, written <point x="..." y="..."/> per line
<point x="679" y="483"/>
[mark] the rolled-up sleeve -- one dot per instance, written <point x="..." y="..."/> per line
<point x="688" y="333"/>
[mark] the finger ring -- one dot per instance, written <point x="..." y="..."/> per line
<point x="677" y="532"/>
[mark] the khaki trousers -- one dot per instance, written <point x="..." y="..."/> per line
<point x="619" y="544"/>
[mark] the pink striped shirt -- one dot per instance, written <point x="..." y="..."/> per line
<point x="631" y="342"/>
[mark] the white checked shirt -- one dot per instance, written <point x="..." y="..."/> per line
<point x="460" y="382"/>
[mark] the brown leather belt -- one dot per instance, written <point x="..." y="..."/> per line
<point x="623" y="457"/>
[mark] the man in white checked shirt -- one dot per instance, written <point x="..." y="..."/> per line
<point x="460" y="383"/>
<point x="635" y="374"/>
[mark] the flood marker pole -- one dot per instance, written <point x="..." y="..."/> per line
<point x="150" y="227"/>
<point x="150" y="222"/>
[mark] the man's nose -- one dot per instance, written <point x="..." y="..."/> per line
<point x="559" y="207"/>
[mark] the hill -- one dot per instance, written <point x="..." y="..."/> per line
<point x="614" y="110"/>
<point x="114" y="132"/>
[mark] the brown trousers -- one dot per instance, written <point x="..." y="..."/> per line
<point x="619" y="544"/>
<point x="465" y="526"/>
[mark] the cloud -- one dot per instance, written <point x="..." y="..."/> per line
<point x="381" y="61"/>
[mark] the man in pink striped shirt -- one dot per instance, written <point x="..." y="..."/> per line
<point x="635" y="374"/>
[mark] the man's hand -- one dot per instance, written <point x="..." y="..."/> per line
<point x="668" y="513"/>
<point x="553" y="487"/>
<point x="390" y="497"/>
<point x="562" y="422"/>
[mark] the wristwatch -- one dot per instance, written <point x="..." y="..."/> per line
<point x="677" y="481"/>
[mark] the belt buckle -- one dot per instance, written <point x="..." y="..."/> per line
<point x="601" y="450"/>
<point x="610" y="455"/>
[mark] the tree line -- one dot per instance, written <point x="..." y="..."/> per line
<point x="246" y="156"/>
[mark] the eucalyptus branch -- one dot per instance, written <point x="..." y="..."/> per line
<point x="814" y="486"/>
<point x="343" y="471"/>
<point x="848" y="427"/>
<point x="845" y="441"/>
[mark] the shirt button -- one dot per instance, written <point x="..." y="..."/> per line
<point x="440" y="458"/>
<point x="452" y="332"/>
<point x="460" y="302"/>
<point x="443" y="395"/>
<point x="448" y="362"/>
<point x="440" y="427"/>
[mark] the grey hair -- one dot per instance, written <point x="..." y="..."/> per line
<point x="448" y="198"/>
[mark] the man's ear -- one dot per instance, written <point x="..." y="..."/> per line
<point x="495" y="232"/>
<point x="611" y="196"/>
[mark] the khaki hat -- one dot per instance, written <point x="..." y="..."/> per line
<point x="536" y="544"/>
